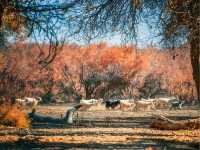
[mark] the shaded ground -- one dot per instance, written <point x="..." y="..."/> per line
<point x="102" y="130"/>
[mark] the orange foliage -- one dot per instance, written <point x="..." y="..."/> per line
<point x="12" y="19"/>
<point x="171" y="65"/>
<point x="14" y="116"/>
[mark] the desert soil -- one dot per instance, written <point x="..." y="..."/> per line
<point x="102" y="129"/>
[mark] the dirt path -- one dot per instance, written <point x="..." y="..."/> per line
<point x="102" y="130"/>
<point x="99" y="138"/>
<point x="116" y="119"/>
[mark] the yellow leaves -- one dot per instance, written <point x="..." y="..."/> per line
<point x="13" y="19"/>
<point x="14" y="115"/>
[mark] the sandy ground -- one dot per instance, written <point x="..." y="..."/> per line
<point x="102" y="129"/>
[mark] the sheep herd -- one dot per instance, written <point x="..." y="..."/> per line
<point x="133" y="105"/>
<point x="28" y="101"/>
<point x="115" y="104"/>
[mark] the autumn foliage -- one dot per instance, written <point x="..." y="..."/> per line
<point x="102" y="62"/>
<point x="11" y="115"/>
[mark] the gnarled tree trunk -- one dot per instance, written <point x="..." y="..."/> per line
<point x="195" y="45"/>
<point x="194" y="52"/>
<point x="1" y="13"/>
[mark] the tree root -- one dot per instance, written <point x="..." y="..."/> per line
<point x="164" y="123"/>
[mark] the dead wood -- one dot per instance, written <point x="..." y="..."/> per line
<point x="164" y="123"/>
<point x="35" y="117"/>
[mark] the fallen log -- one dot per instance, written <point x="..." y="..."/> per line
<point x="68" y="119"/>
<point x="164" y="123"/>
<point x="46" y="119"/>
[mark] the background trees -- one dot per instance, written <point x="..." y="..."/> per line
<point x="40" y="20"/>
<point x="178" y="22"/>
<point x="96" y="68"/>
<point x="184" y="20"/>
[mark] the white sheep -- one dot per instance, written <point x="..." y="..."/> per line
<point x="127" y="104"/>
<point x="21" y="102"/>
<point x="164" y="102"/>
<point x="89" y="101"/>
<point x="144" y="105"/>
<point x="29" y="101"/>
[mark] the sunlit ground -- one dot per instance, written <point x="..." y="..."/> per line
<point x="103" y="129"/>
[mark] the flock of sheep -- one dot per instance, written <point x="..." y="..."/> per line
<point x="126" y="104"/>
<point x="134" y="105"/>
<point x="123" y="104"/>
<point x="31" y="102"/>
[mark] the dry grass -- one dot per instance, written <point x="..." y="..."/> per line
<point x="11" y="115"/>
<point x="103" y="136"/>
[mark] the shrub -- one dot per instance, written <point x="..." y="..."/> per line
<point x="12" y="115"/>
<point x="11" y="84"/>
<point x="151" y="86"/>
<point x="47" y="98"/>
<point x="107" y="83"/>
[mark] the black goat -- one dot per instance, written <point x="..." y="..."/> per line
<point x="112" y="103"/>
<point x="176" y="105"/>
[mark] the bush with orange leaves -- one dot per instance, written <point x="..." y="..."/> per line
<point x="12" y="115"/>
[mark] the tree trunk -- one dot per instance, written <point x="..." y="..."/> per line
<point x="194" y="54"/>
<point x="1" y="14"/>
<point x="46" y="119"/>
<point x="163" y="123"/>
<point x="194" y="39"/>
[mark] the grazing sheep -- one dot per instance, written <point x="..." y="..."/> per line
<point x="126" y="105"/>
<point x="167" y="99"/>
<point x="89" y="101"/>
<point x="86" y="104"/>
<point x="144" y="105"/>
<point x="160" y="104"/>
<point x="29" y="101"/>
<point x="163" y="103"/>
<point x="32" y="102"/>
<point x="21" y="102"/>
<point x="126" y="101"/>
